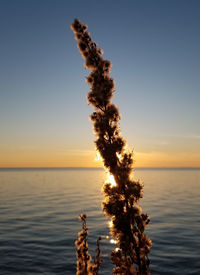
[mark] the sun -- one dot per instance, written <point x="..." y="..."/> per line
<point x="98" y="157"/>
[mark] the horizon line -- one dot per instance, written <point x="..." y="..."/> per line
<point x="92" y="167"/>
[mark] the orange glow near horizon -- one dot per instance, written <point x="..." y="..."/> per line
<point x="85" y="158"/>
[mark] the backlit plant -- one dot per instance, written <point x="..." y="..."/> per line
<point x="122" y="193"/>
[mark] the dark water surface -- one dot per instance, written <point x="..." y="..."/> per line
<point x="39" y="210"/>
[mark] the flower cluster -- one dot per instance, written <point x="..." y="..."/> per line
<point x="120" y="204"/>
<point x="84" y="265"/>
<point x="84" y="259"/>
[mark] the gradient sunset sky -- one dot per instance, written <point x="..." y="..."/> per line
<point x="154" y="47"/>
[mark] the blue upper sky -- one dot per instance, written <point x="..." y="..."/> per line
<point x="154" y="47"/>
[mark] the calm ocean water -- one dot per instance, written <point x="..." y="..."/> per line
<point x="39" y="210"/>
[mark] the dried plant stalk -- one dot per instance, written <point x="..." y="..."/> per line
<point x="121" y="196"/>
<point x="84" y="265"/>
<point x="97" y="261"/>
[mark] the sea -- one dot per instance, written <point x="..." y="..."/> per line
<point x="39" y="223"/>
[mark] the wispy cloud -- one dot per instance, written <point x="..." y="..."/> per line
<point x="76" y="152"/>
<point x="185" y="136"/>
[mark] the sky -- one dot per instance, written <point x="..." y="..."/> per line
<point x="154" y="48"/>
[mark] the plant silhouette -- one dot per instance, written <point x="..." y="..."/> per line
<point x="84" y="264"/>
<point x="127" y="222"/>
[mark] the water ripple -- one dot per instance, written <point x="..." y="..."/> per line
<point x="39" y="210"/>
